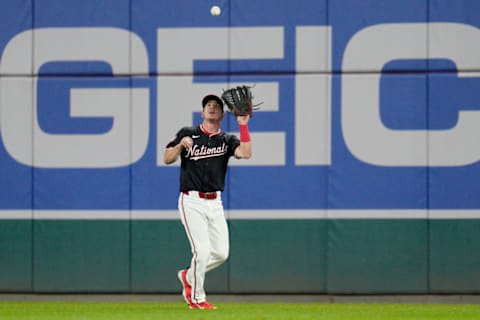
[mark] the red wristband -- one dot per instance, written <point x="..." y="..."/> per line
<point x="244" y="134"/>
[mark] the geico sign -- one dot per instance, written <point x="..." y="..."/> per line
<point x="365" y="135"/>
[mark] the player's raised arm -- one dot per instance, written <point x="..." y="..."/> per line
<point x="239" y="102"/>
<point x="244" y="150"/>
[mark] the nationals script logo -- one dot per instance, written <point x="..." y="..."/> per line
<point x="197" y="153"/>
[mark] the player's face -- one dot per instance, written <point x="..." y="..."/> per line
<point x="213" y="110"/>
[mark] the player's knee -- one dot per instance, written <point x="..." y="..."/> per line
<point x="221" y="254"/>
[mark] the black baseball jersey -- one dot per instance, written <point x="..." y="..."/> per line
<point x="204" y="166"/>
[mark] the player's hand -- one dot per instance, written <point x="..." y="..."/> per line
<point x="186" y="142"/>
<point x="243" y="119"/>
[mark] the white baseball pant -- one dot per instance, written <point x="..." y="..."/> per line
<point x="207" y="231"/>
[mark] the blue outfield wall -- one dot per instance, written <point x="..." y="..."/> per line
<point x="365" y="175"/>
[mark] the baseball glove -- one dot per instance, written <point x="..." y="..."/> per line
<point x="239" y="100"/>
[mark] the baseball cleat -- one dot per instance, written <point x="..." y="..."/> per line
<point x="187" y="288"/>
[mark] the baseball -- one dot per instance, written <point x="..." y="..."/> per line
<point x="215" y="11"/>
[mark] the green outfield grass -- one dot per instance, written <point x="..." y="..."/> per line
<point x="237" y="311"/>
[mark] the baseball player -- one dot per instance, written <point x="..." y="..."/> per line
<point x="204" y="151"/>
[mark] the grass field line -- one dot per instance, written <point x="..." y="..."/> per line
<point x="251" y="298"/>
